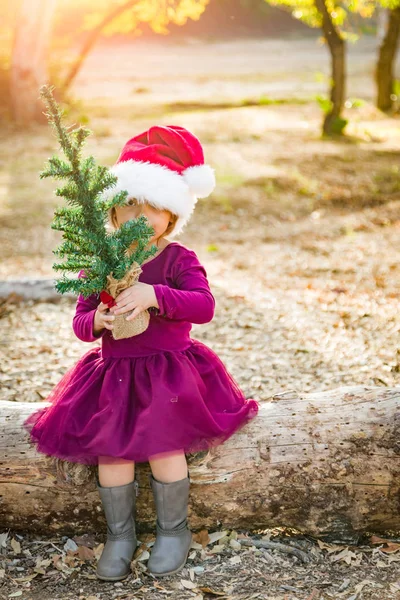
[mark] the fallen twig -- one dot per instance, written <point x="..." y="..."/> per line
<point x="303" y="556"/>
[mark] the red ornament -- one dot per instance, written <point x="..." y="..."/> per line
<point x="107" y="299"/>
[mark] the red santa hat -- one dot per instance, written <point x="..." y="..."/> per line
<point x="165" y="167"/>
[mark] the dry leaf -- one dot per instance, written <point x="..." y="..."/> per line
<point x="16" y="546"/>
<point x="208" y="590"/>
<point x="217" y="535"/>
<point x="160" y="587"/>
<point x="43" y="562"/>
<point x="390" y="546"/>
<point x="98" y="551"/>
<point x="145" y="555"/>
<point x="345" y="555"/>
<point x="393" y="558"/>
<point x="56" y="558"/>
<point x="87" y="539"/>
<point x="71" y="561"/>
<point x="359" y="586"/>
<point x="196" y="546"/>
<point x="330" y="547"/>
<point x="381" y="564"/>
<point x="235" y="560"/>
<point x="201" y="537"/>
<point x="85" y="553"/>
<point x="190" y="585"/>
<point x="217" y="549"/>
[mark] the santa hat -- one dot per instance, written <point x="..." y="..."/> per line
<point x="164" y="166"/>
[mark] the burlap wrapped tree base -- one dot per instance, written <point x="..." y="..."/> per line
<point x="123" y="328"/>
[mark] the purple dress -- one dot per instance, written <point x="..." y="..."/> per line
<point x="157" y="392"/>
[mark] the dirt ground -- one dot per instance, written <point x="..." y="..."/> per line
<point x="300" y="243"/>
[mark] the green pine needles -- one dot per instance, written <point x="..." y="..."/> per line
<point x="86" y="243"/>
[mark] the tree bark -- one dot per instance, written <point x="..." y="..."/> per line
<point x="337" y="48"/>
<point x="29" y="59"/>
<point x="384" y="72"/>
<point x="327" y="464"/>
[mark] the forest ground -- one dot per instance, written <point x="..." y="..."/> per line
<point x="300" y="243"/>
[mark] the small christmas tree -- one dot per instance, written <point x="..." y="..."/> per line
<point x="104" y="256"/>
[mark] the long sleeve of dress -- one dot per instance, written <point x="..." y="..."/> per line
<point x="192" y="299"/>
<point x="82" y="323"/>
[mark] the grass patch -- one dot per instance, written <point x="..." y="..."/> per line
<point x="261" y="101"/>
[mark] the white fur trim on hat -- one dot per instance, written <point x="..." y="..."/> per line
<point x="159" y="186"/>
<point x="200" y="179"/>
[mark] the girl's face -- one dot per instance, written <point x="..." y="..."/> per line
<point x="159" y="219"/>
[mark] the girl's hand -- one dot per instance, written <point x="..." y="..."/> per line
<point x="137" y="297"/>
<point x="102" y="319"/>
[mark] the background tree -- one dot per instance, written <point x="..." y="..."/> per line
<point x="331" y="16"/>
<point x="330" y="19"/>
<point x="32" y="40"/>
<point x="126" y="17"/>
<point x="384" y="71"/>
<point x="29" y="61"/>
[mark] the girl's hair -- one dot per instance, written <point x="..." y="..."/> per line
<point x="171" y="225"/>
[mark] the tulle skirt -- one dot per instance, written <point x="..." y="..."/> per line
<point x="136" y="408"/>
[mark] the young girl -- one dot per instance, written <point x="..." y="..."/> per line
<point x="158" y="395"/>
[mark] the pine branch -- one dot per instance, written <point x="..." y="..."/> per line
<point x="86" y="243"/>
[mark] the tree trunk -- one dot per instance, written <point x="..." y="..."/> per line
<point x="381" y="22"/>
<point x="384" y="72"/>
<point x="327" y="464"/>
<point x="29" y="59"/>
<point x="333" y="122"/>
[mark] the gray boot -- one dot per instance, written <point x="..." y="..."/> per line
<point x="119" y="504"/>
<point x="173" y="540"/>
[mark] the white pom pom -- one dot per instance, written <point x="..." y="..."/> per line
<point x="200" y="179"/>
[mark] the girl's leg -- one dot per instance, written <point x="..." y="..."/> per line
<point x="115" y="471"/>
<point x="169" y="468"/>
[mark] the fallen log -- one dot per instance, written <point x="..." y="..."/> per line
<point x="41" y="290"/>
<point x="325" y="463"/>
